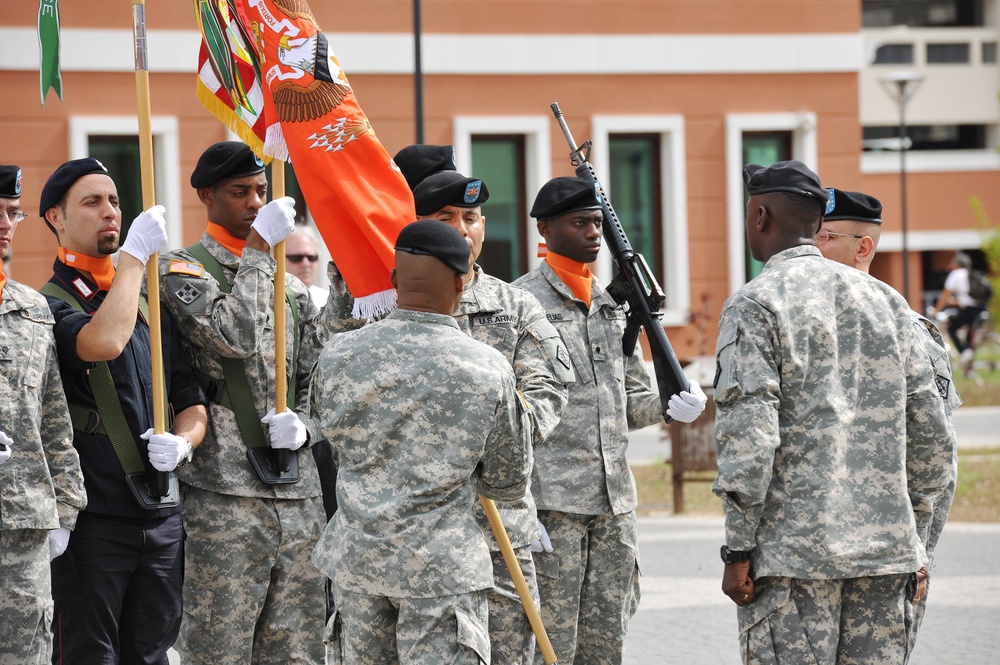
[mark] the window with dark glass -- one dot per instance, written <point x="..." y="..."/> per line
<point x="894" y="54"/>
<point x="989" y="53"/>
<point x="923" y="13"/>
<point x="764" y="148"/>
<point x="947" y="54"/>
<point x="120" y="155"/>
<point x="926" y="137"/>
<point x="499" y="161"/>
<point x="634" y="162"/>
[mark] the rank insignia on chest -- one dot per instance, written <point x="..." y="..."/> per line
<point x="178" y="267"/>
<point x="187" y="293"/>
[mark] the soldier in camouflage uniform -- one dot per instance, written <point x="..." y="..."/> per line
<point x="588" y="581"/>
<point x="251" y="594"/>
<point x="41" y="485"/>
<point x="511" y="321"/>
<point x="831" y="443"/>
<point x="421" y="417"/>
<point x="849" y="235"/>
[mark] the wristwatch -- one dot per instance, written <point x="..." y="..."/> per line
<point x="733" y="556"/>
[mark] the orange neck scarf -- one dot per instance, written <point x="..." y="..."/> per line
<point x="233" y="244"/>
<point x="101" y="270"/>
<point x="3" y="281"/>
<point x="575" y="275"/>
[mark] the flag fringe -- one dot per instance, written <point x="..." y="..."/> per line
<point x="375" y="305"/>
<point x="231" y="120"/>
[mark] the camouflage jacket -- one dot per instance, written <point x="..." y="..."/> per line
<point x="511" y="321"/>
<point x="420" y="417"/>
<point x="41" y="485"/>
<point x="240" y="324"/>
<point x="581" y="467"/>
<point x="833" y="445"/>
<point x="934" y="344"/>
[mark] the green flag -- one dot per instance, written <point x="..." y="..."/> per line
<point x="48" y="47"/>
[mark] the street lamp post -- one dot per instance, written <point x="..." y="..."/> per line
<point x="901" y="86"/>
<point x="418" y="74"/>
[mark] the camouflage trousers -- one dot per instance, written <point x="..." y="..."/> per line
<point x="512" y="641"/>
<point x="25" y="597"/>
<point x="251" y="594"/>
<point x="825" y="622"/>
<point x="379" y="630"/>
<point x="588" y="585"/>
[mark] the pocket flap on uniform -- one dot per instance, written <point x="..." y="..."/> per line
<point x="472" y="633"/>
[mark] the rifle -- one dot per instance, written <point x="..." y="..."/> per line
<point x="634" y="287"/>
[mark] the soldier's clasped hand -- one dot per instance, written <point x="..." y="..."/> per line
<point x="276" y="220"/>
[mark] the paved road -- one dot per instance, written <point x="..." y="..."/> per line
<point x="683" y="617"/>
<point x="976" y="426"/>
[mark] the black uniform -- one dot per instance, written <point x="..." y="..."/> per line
<point x="117" y="589"/>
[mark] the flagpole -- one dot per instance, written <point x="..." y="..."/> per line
<point x="148" y="201"/>
<point x="514" y="568"/>
<point x="280" y="363"/>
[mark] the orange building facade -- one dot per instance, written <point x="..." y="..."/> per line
<point x="675" y="95"/>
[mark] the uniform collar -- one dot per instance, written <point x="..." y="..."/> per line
<point x="423" y="317"/>
<point x="792" y="253"/>
<point x="478" y="297"/>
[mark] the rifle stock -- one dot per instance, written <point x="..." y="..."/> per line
<point x="634" y="286"/>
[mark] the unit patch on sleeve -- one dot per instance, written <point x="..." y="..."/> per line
<point x="187" y="293"/>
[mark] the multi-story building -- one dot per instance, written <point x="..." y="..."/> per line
<point x="676" y="95"/>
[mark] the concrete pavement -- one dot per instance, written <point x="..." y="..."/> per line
<point x="684" y="618"/>
<point x="976" y="427"/>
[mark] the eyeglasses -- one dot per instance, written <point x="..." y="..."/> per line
<point x="14" y="215"/>
<point x="823" y="235"/>
<point x="299" y="258"/>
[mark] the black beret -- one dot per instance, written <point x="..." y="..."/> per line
<point x="65" y="177"/>
<point x="792" y="176"/>
<point x="419" y="161"/>
<point x="431" y="237"/>
<point x="562" y="195"/>
<point x="10" y="182"/>
<point x="449" y="188"/>
<point x="224" y="161"/>
<point x="852" y="205"/>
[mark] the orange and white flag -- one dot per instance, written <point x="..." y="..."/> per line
<point x="358" y="197"/>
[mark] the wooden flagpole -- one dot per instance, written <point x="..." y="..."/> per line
<point x="280" y="363"/>
<point x="148" y="201"/>
<point x="544" y="645"/>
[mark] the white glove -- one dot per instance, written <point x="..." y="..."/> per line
<point x="542" y="542"/>
<point x="287" y="431"/>
<point x="685" y="407"/>
<point x="5" y="443"/>
<point x="147" y="235"/>
<point x="166" y="450"/>
<point x="58" y="542"/>
<point x="276" y="220"/>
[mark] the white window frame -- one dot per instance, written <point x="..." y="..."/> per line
<point x="166" y="158"/>
<point x="802" y="125"/>
<point x="537" y="159"/>
<point x="673" y="197"/>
